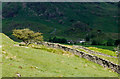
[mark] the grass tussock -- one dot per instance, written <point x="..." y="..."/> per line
<point x="104" y="51"/>
<point x="52" y="50"/>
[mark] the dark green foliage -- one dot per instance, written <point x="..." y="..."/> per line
<point x="58" y="40"/>
<point x="99" y="41"/>
<point x="110" y="42"/>
<point x="11" y="11"/>
<point x="28" y="36"/>
<point x="87" y="38"/>
<point x="117" y="42"/>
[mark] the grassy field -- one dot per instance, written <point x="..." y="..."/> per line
<point x="100" y="46"/>
<point x="30" y="62"/>
<point x="104" y="51"/>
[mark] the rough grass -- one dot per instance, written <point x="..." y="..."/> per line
<point x="31" y="62"/>
<point x="104" y="51"/>
<point x="102" y="47"/>
<point x="114" y="60"/>
<point x="48" y="49"/>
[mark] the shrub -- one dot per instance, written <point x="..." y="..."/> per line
<point x="110" y="42"/>
<point x="117" y="42"/>
<point x="58" y="40"/>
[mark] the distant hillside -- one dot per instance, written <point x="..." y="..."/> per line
<point x="60" y="19"/>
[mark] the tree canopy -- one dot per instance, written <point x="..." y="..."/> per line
<point x="28" y="36"/>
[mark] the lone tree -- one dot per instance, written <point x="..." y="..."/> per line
<point x="28" y="36"/>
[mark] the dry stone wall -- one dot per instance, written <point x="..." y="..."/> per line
<point x="95" y="59"/>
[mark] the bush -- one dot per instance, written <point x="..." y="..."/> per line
<point x="117" y="42"/>
<point x="58" y="40"/>
<point x="99" y="42"/>
<point x="94" y="42"/>
<point x="110" y="42"/>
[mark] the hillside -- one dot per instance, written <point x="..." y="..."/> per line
<point x="0" y="55"/>
<point x="30" y="62"/>
<point x="60" y="19"/>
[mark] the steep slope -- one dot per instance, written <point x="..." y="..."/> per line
<point x="31" y="62"/>
<point x="46" y="17"/>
